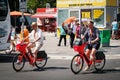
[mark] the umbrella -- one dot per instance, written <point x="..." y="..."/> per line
<point x="70" y="19"/>
<point x="18" y="13"/>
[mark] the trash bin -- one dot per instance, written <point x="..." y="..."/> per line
<point x="105" y="38"/>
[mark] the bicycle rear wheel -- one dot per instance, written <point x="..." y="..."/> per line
<point x="18" y="62"/>
<point x="77" y="64"/>
<point x="100" y="61"/>
<point x="41" y="62"/>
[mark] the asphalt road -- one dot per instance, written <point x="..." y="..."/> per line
<point x="59" y="70"/>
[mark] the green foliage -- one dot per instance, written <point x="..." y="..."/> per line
<point x="34" y="4"/>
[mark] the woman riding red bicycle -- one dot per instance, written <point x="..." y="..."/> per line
<point x="93" y="38"/>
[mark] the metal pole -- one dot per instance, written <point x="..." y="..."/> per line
<point x="22" y="27"/>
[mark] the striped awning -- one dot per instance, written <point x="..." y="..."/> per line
<point x="44" y="15"/>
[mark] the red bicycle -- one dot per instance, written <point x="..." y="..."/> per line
<point x="78" y="60"/>
<point x="20" y="59"/>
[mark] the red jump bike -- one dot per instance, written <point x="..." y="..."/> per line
<point x="78" y="60"/>
<point x="20" y="59"/>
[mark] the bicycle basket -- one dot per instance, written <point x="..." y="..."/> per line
<point x="21" y="48"/>
<point x="79" y="48"/>
<point x="77" y="42"/>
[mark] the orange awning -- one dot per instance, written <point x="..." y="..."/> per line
<point x="17" y="13"/>
<point x="44" y="15"/>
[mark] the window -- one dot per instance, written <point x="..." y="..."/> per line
<point x="3" y="10"/>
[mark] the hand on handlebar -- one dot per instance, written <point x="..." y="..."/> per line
<point x="33" y="42"/>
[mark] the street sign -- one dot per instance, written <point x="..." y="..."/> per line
<point x="22" y="5"/>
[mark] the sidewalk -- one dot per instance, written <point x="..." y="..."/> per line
<point x="65" y="52"/>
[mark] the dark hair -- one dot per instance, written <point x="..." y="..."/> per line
<point x="115" y="19"/>
<point x="92" y="22"/>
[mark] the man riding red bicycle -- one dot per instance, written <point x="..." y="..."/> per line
<point x="93" y="37"/>
<point x="37" y="38"/>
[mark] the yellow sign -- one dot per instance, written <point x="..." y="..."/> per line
<point x="97" y="13"/>
<point x="77" y="3"/>
<point x="85" y="14"/>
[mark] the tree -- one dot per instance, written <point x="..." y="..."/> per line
<point x="32" y="5"/>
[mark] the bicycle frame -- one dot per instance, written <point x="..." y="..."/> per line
<point x="77" y="62"/>
<point x="19" y="59"/>
<point x="22" y="49"/>
<point x="80" y="50"/>
<point x="88" y="61"/>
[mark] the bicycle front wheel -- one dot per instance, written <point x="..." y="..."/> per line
<point x="18" y="62"/>
<point x="41" y="62"/>
<point x="77" y="64"/>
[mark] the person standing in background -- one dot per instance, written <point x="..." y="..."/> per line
<point x="78" y="30"/>
<point x="73" y="32"/>
<point x="12" y="39"/>
<point x="114" y="29"/>
<point x="24" y="34"/>
<point x="62" y="35"/>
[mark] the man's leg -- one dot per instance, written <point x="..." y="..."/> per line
<point x="72" y="39"/>
<point x="37" y="48"/>
<point x="60" y="40"/>
<point x="64" y="40"/>
<point x="93" y="55"/>
<point x="29" y="48"/>
<point x="87" y="52"/>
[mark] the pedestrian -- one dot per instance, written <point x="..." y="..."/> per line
<point x="62" y="34"/>
<point x="24" y="33"/>
<point x="12" y="39"/>
<point x="73" y="32"/>
<point x="114" y="29"/>
<point x="83" y="28"/>
<point x="93" y="43"/>
<point x="78" y="30"/>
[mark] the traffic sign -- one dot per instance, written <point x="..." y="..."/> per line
<point x="22" y="5"/>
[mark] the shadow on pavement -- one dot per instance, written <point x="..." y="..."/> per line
<point x="103" y="71"/>
<point x="6" y="58"/>
<point x="47" y="68"/>
<point x="114" y="46"/>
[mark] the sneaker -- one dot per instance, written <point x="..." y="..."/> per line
<point x="18" y="62"/>
<point x="87" y="68"/>
<point x="58" y="45"/>
<point x="92" y="67"/>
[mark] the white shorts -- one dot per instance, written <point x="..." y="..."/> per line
<point x="38" y="46"/>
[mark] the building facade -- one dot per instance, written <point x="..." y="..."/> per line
<point x="102" y="12"/>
